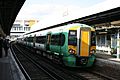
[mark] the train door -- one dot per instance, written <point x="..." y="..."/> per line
<point x="85" y="41"/>
<point x="34" y="40"/>
<point x="48" y="41"/>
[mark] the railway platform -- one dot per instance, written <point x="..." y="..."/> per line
<point x="107" y="65"/>
<point x="9" y="70"/>
<point x="107" y="57"/>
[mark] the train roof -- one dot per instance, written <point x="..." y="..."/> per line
<point x="55" y="27"/>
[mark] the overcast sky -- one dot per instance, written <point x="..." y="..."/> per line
<point x="40" y="9"/>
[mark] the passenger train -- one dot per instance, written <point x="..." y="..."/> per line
<point x="72" y="45"/>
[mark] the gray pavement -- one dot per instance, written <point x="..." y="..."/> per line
<point x="9" y="70"/>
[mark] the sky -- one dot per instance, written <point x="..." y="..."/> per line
<point x="69" y="9"/>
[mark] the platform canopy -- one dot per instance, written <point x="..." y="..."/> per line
<point x="109" y="17"/>
<point x="8" y="12"/>
<point x="98" y="18"/>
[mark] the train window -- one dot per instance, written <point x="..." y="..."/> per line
<point x="24" y="39"/>
<point x="55" y="40"/>
<point x="58" y="39"/>
<point x="62" y="39"/>
<point x="72" y="38"/>
<point x="93" y="40"/>
<point x="41" y="39"/>
<point x="30" y="39"/>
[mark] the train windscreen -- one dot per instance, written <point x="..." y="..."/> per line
<point x="72" y="38"/>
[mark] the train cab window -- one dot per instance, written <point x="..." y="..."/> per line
<point x="72" y="38"/>
<point x="93" y="40"/>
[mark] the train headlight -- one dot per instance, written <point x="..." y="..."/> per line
<point x="92" y="51"/>
<point x="71" y="51"/>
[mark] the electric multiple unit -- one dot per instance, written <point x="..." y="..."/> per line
<point x="73" y="45"/>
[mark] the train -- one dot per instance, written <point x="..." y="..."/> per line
<point x="73" y="45"/>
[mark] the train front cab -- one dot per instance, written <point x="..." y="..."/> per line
<point x="81" y="47"/>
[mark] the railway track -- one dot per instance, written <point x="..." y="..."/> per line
<point x="33" y="70"/>
<point x="65" y="73"/>
<point x="50" y="67"/>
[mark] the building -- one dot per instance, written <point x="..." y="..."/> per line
<point x="21" y="26"/>
<point x="108" y="37"/>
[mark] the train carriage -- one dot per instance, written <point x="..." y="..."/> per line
<point x="73" y="44"/>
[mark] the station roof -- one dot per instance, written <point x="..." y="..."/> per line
<point x="8" y="12"/>
<point x="10" y="8"/>
<point x="105" y="17"/>
<point x="102" y="17"/>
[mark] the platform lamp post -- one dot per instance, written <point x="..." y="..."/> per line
<point x="118" y="48"/>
